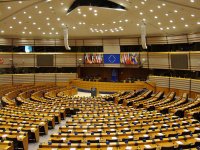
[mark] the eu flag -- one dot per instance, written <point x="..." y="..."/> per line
<point x="111" y="58"/>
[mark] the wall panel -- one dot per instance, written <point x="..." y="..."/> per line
<point x="7" y="60"/>
<point x="195" y="60"/>
<point x="97" y="42"/>
<point x="66" y="60"/>
<point x="22" y="42"/>
<point x="5" y="78"/>
<point x="23" y="60"/>
<point x="5" y="41"/>
<point x="23" y="78"/>
<point x="129" y="41"/>
<point x="158" y="60"/>
<point x="157" y="40"/>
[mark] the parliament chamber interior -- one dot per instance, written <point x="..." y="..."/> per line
<point x="99" y="74"/>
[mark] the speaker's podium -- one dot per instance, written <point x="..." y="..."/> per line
<point x="93" y="92"/>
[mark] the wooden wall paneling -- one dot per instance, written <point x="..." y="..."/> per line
<point x="111" y="42"/>
<point x="23" y="78"/>
<point x="23" y="42"/>
<point x="45" y="77"/>
<point x="195" y="85"/>
<point x="157" y="40"/>
<point x="7" y="60"/>
<point x="93" y="42"/>
<point x="129" y="41"/>
<point x="193" y="38"/>
<point x="5" y="78"/>
<point x="66" y="60"/>
<point x="158" y="60"/>
<point x="79" y="42"/>
<point x="4" y="41"/>
<point x="177" y="39"/>
<point x="143" y="59"/>
<point x="195" y="60"/>
<point x="45" y="42"/>
<point x="180" y="83"/>
<point x="23" y="60"/>
<point x="160" y="81"/>
<point x="65" y="77"/>
<point x="59" y="42"/>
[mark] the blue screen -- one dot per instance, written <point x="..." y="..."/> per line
<point x="111" y="58"/>
<point x="28" y="49"/>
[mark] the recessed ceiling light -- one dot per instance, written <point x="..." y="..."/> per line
<point x="102" y="24"/>
<point x="142" y="3"/>
<point x="126" y="20"/>
<point x="52" y="28"/>
<point x="29" y="17"/>
<point x="155" y="17"/>
<point x="79" y="9"/>
<point x="84" y="15"/>
<point x="30" y="32"/>
<point x="182" y="18"/>
<point x="74" y="27"/>
<point x="151" y="10"/>
<point x="158" y="7"/>
<point x="166" y="14"/>
<point x="198" y="22"/>
<point x="175" y="11"/>
<point x="23" y="32"/>
<point x="174" y="27"/>
<point x="14" y="18"/>
<point x="2" y="31"/>
<point x="43" y="33"/>
<point x="95" y="10"/>
<point x="192" y="15"/>
<point x="57" y="33"/>
<point x="39" y="28"/>
<point x="50" y="33"/>
<point x="163" y="4"/>
<point x="61" y="3"/>
<point x="10" y="27"/>
<point x="25" y="28"/>
<point x="186" y="25"/>
<point x="90" y="8"/>
<point x="161" y="28"/>
<point x="137" y="24"/>
<point x="167" y="28"/>
<point x="79" y="12"/>
<point x="120" y="21"/>
<point x="136" y="6"/>
<point x="171" y="21"/>
<point x="48" y="24"/>
<point x="58" y="19"/>
<point x="20" y="22"/>
<point x="159" y="23"/>
<point x="80" y="23"/>
<point x="34" y="23"/>
<point x="9" y="7"/>
<point x="95" y="14"/>
<point x="65" y="9"/>
<point x="47" y="18"/>
<point x="40" y="12"/>
<point x="24" y="12"/>
<point x="20" y="2"/>
<point x="83" y="22"/>
<point x="50" y="7"/>
<point x="62" y="24"/>
<point x="141" y="13"/>
<point x="192" y="1"/>
<point x="36" y="7"/>
<point x="114" y="22"/>
<point x="144" y="19"/>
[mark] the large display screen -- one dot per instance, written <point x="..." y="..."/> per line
<point x="93" y="58"/>
<point x="129" y="58"/>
